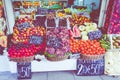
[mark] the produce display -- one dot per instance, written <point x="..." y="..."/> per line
<point x="87" y="31"/>
<point x="62" y="22"/>
<point x="75" y="32"/>
<point x="22" y="33"/>
<point x="27" y="37"/>
<point x="114" y="23"/>
<point x="57" y="29"/>
<point x="57" y="42"/>
<point x="75" y="9"/>
<point x="39" y="21"/>
<point x="89" y="47"/>
<point x="51" y="22"/>
<point x="79" y="20"/>
<point x="60" y="13"/>
<point x="21" y="50"/>
<point x="105" y="42"/>
<point x="51" y="14"/>
<point x="85" y="35"/>
<point x="3" y="41"/>
<point x="116" y="41"/>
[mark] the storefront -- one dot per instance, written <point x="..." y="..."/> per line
<point x="57" y="35"/>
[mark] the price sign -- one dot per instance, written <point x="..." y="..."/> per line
<point x="54" y="42"/>
<point x="23" y="25"/>
<point x="90" y="67"/>
<point x="36" y="39"/>
<point x="24" y="70"/>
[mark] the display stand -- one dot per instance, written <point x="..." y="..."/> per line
<point x="45" y="65"/>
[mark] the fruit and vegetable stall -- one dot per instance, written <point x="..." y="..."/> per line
<point x="51" y="36"/>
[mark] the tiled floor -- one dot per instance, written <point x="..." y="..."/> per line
<point x="63" y="75"/>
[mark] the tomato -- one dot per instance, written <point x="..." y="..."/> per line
<point x="97" y="43"/>
<point x="82" y="48"/>
<point x="83" y="51"/>
<point x="93" y="52"/>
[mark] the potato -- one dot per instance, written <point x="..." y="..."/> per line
<point x="116" y="40"/>
<point x="118" y="37"/>
<point x="116" y="44"/>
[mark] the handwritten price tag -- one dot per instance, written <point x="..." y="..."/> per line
<point x="90" y="67"/>
<point x="54" y="42"/>
<point x="24" y="70"/>
<point x="23" y="25"/>
<point x="36" y="39"/>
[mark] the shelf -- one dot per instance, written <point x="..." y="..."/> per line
<point x="42" y="66"/>
<point x="45" y="65"/>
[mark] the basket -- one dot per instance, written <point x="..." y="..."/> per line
<point x="91" y="57"/>
<point x="57" y="58"/>
<point x="22" y="59"/>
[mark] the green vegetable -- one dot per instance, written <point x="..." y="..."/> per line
<point x="105" y="43"/>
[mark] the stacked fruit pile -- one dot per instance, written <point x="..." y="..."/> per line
<point x="23" y="35"/>
<point x="89" y="47"/>
<point x="105" y="42"/>
<point x="79" y="20"/>
<point x="3" y="41"/>
<point x="51" y="22"/>
<point x="57" y="42"/>
<point x="116" y="42"/>
<point x="27" y="40"/>
<point x="39" y="21"/>
<point x="21" y="50"/>
<point x="63" y="22"/>
<point x="60" y="13"/>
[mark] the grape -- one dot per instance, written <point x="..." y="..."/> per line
<point x="51" y="23"/>
<point x="40" y="21"/>
<point x="63" y="22"/>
